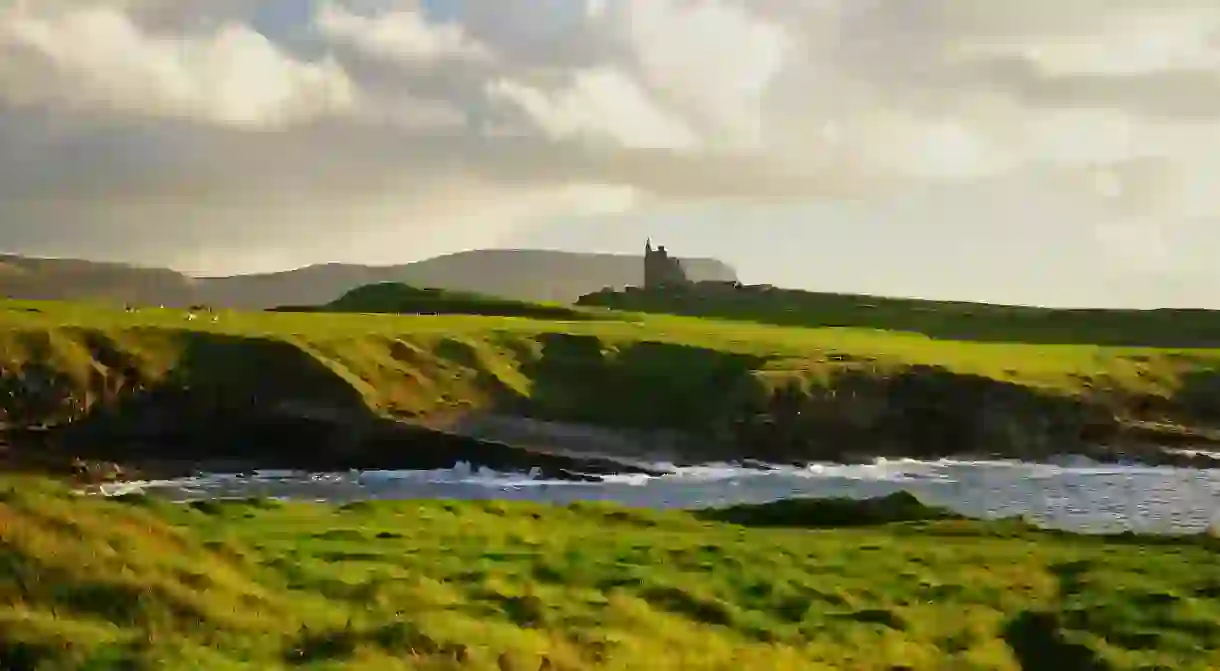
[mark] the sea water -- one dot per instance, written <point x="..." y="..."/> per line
<point x="1074" y="495"/>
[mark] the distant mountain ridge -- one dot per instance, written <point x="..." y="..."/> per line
<point x="522" y="274"/>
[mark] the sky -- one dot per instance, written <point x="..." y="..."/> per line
<point x="1033" y="152"/>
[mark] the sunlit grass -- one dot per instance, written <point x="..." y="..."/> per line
<point x="433" y="585"/>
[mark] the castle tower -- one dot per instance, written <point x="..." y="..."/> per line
<point x="660" y="270"/>
<point x="651" y="276"/>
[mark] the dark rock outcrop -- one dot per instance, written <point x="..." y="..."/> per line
<point x="810" y="513"/>
<point x="929" y="412"/>
<point x="167" y="431"/>
<point x="924" y="412"/>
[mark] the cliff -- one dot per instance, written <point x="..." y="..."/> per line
<point x="333" y="390"/>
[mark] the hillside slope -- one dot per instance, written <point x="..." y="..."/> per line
<point x="26" y="278"/>
<point x="532" y="275"/>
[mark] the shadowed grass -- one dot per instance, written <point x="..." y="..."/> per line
<point x="394" y="298"/>
<point x="139" y="583"/>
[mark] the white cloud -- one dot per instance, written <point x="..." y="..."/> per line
<point x="1135" y="245"/>
<point x="946" y="148"/>
<point x="97" y="58"/>
<point x="402" y="34"/>
<point x="713" y="61"/>
<point x="595" y="9"/>
<point x="1122" y="44"/>
<point x="600" y="104"/>
<point x="670" y="84"/>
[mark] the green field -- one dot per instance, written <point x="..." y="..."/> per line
<point x="415" y="365"/>
<point x="937" y="319"/>
<point x="140" y="584"/>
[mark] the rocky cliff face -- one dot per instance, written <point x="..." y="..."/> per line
<point x="279" y="403"/>
<point x="124" y="422"/>
<point x="928" y="412"/>
<point x="924" y="412"/>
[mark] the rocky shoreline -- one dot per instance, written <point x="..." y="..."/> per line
<point x="552" y="450"/>
<point x="242" y="445"/>
<point x="1147" y="444"/>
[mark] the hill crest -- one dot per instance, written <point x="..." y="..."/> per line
<point x="519" y="274"/>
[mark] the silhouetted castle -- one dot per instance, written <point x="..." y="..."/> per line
<point x="661" y="269"/>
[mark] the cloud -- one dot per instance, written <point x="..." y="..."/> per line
<point x="358" y="128"/>
<point x="679" y="48"/>
<point x="96" y="58"/>
<point x="403" y="35"/>
<point x="669" y="85"/>
<point x="598" y="104"/>
<point x="1132" y="43"/>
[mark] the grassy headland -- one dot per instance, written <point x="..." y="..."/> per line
<point x="140" y="584"/>
<point x="752" y="389"/>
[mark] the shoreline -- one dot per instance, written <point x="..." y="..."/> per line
<point x="518" y="445"/>
<point x="231" y="471"/>
<point x="1061" y="496"/>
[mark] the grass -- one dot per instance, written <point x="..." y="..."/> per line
<point x="621" y="369"/>
<point x="143" y="584"/>
<point x="939" y="319"/>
